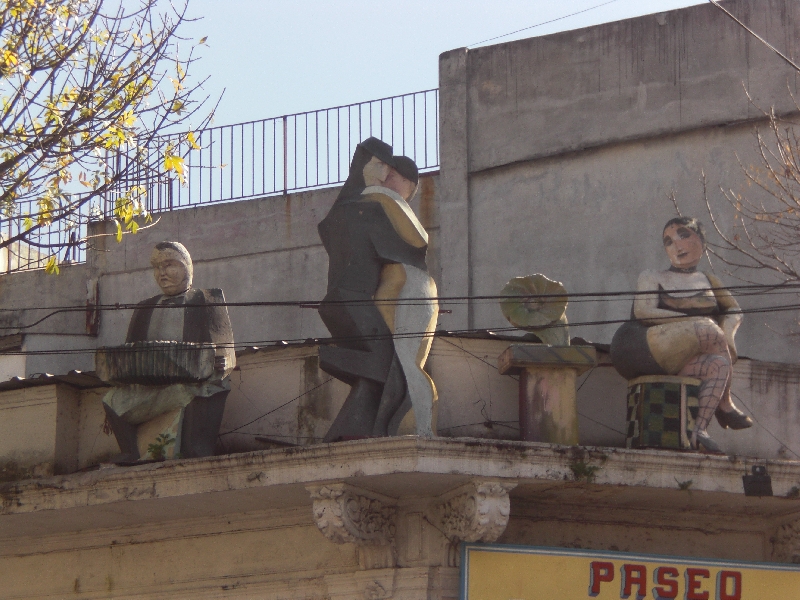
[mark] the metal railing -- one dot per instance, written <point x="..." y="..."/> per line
<point x="284" y="154"/>
<point x="61" y="239"/>
<point x="291" y="153"/>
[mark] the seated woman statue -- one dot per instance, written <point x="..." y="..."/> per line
<point x="684" y="324"/>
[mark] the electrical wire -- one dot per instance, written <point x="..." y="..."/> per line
<point x="316" y="387"/>
<point x="542" y="23"/>
<point x="593" y="297"/>
<point x="755" y="35"/>
<point x="743" y="289"/>
<point x="414" y="334"/>
<point x="772" y="435"/>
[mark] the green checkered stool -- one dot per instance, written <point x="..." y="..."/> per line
<point x="661" y="411"/>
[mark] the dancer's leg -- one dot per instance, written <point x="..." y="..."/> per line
<point x="713" y="368"/>
<point x="357" y="416"/>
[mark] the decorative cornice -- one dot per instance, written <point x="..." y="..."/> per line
<point x="438" y="459"/>
<point x="477" y="511"/>
<point x="346" y="514"/>
<point x="786" y="543"/>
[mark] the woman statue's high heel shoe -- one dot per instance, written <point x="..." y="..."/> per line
<point x="734" y="419"/>
<point x="705" y="440"/>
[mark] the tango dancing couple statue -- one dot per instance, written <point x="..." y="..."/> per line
<point x="377" y="263"/>
<point x="683" y="323"/>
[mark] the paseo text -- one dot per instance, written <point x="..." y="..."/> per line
<point x="667" y="582"/>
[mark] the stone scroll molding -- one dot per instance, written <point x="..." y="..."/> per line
<point x="475" y="512"/>
<point x="346" y="514"/>
<point x="786" y="543"/>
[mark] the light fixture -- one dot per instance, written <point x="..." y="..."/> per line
<point x="759" y="483"/>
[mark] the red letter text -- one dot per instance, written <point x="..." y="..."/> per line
<point x="634" y="575"/>
<point x="693" y="585"/>
<point x="665" y="577"/>
<point x="601" y="572"/>
<point x="729" y="585"/>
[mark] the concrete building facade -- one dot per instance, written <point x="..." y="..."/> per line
<point x="558" y="155"/>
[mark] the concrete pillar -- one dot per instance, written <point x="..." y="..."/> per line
<point x="454" y="205"/>
<point x="548" y="410"/>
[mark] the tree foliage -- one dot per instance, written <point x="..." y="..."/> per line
<point x="766" y="229"/>
<point x="83" y="83"/>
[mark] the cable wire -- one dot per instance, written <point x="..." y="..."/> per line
<point x="316" y="387"/>
<point x="594" y="297"/>
<point x="542" y="23"/>
<point x="416" y="334"/>
<point x="755" y="35"/>
<point x="772" y="435"/>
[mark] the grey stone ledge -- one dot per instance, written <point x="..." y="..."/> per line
<point x="389" y="466"/>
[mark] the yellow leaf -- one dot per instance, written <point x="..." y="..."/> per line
<point x="203" y="39"/>
<point x="176" y="84"/>
<point x="133" y="227"/>
<point x="192" y="141"/>
<point x="10" y="58"/>
<point x="27" y="223"/>
<point x="119" y="231"/>
<point x="51" y="268"/>
<point x="128" y="118"/>
<point x="173" y="163"/>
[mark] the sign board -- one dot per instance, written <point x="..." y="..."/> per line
<point x="494" y="572"/>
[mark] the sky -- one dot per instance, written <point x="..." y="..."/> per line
<point x="277" y="57"/>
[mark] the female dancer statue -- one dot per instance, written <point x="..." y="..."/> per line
<point x="685" y="324"/>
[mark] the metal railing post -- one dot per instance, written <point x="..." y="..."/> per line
<point x="332" y="157"/>
<point x="285" y="156"/>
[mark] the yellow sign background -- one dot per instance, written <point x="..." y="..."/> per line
<point x="516" y="573"/>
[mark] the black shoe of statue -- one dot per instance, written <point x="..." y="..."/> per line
<point x="734" y="419"/>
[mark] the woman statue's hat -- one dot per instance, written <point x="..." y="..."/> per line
<point x="383" y="152"/>
<point x="379" y="149"/>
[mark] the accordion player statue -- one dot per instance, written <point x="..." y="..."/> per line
<point x="171" y="378"/>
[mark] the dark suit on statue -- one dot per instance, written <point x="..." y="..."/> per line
<point x="201" y="322"/>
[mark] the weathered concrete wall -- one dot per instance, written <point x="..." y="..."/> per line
<point x="263" y="250"/>
<point x="642" y="77"/>
<point x="41" y="431"/>
<point x="281" y="395"/>
<point x="280" y="555"/>
<point x="55" y="304"/>
<point x="476" y="401"/>
<point x="243" y="526"/>
<point x="593" y="221"/>
<point x="28" y="435"/>
<point x="264" y="553"/>
<point x="575" y="142"/>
